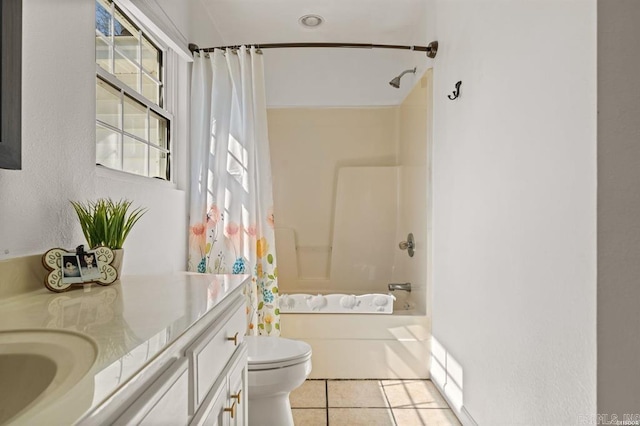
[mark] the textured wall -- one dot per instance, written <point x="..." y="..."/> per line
<point x="58" y="129"/>
<point x="514" y="224"/>
<point x="59" y="150"/>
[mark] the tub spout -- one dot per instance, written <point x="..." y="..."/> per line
<point x="400" y="286"/>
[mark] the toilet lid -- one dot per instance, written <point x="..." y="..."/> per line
<point x="275" y="352"/>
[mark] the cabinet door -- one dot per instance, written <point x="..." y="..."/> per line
<point x="226" y="403"/>
<point x="213" y="349"/>
<point x="164" y="402"/>
<point x="238" y="389"/>
<point x="212" y="412"/>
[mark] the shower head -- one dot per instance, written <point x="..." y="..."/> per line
<point x="396" y="81"/>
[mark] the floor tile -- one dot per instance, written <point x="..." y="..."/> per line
<point x="312" y="394"/>
<point x="356" y="394"/>
<point x="425" y="416"/>
<point x="309" y="417"/>
<point x="360" y="417"/>
<point x="413" y="393"/>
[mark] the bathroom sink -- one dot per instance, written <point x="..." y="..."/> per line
<point x="38" y="367"/>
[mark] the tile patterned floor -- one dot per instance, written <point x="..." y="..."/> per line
<point x="370" y="403"/>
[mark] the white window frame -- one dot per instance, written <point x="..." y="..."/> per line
<point x="167" y="97"/>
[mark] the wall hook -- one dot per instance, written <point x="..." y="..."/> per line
<point x="456" y="93"/>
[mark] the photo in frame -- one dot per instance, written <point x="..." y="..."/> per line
<point x="71" y="269"/>
<point x="68" y="268"/>
<point x="89" y="266"/>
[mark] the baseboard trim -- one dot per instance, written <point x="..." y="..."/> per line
<point x="468" y="420"/>
<point x="463" y="414"/>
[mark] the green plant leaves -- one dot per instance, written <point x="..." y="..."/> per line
<point x="107" y="222"/>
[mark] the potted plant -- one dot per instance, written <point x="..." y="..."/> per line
<point x="106" y="222"/>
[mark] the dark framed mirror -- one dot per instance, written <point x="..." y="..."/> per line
<point x="10" y="84"/>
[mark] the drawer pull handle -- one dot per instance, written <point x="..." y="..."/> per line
<point x="237" y="396"/>
<point x="231" y="410"/>
<point x="234" y="339"/>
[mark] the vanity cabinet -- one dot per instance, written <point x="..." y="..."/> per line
<point x="218" y="361"/>
<point x="199" y="379"/>
<point x="209" y="354"/>
<point x="238" y="390"/>
<point x="226" y="402"/>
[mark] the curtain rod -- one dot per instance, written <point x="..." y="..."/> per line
<point x="431" y="49"/>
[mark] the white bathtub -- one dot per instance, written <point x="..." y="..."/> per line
<point x="364" y="346"/>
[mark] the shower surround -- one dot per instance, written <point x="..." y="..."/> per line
<point x="349" y="185"/>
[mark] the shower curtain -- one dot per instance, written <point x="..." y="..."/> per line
<point x="231" y="214"/>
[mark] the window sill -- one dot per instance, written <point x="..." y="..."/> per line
<point x="106" y="172"/>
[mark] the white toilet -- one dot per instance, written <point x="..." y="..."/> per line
<point x="276" y="367"/>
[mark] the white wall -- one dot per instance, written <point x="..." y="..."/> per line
<point x="58" y="116"/>
<point x="514" y="220"/>
<point x="59" y="150"/>
<point x="618" y="208"/>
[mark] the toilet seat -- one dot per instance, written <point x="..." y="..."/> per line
<point x="269" y="353"/>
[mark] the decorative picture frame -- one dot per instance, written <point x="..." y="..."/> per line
<point x="68" y="268"/>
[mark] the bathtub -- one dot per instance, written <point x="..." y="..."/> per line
<point x="358" y="345"/>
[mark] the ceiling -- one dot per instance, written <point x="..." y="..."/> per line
<point x="328" y="77"/>
<point x="353" y="21"/>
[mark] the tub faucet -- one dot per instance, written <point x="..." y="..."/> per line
<point x="400" y="286"/>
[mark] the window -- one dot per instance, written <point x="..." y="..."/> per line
<point x="132" y="124"/>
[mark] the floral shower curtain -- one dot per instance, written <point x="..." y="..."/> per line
<point x="231" y="215"/>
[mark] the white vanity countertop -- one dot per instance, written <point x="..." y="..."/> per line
<point x="131" y="321"/>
